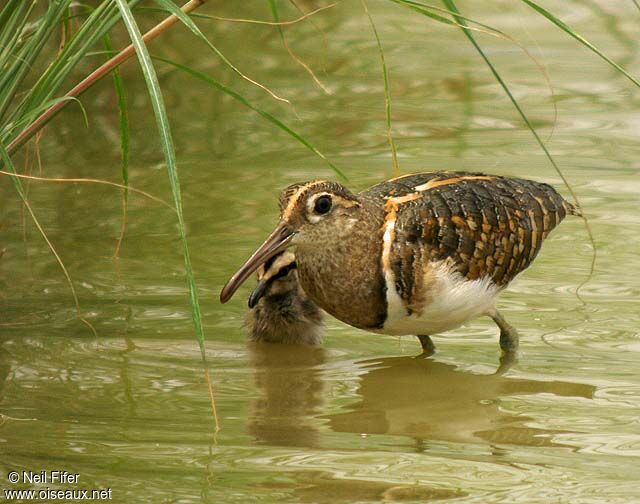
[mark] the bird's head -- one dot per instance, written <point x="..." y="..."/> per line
<point x="277" y="276"/>
<point x="310" y="214"/>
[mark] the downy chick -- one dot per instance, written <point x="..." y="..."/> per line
<point x="279" y="310"/>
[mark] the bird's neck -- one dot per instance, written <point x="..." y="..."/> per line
<point x="343" y="276"/>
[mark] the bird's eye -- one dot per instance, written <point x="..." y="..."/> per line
<point x="322" y="205"/>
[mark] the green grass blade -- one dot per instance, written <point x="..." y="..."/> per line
<point x="162" y="121"/>
<point x="387" y="94"/>
<point x="566" y="28"/>
<point x="276" y="17"/>
<point x="424" y="10"/>
<point x="450" y="4"/>
<point x="9" y="10"/>
<point x="10" y="128"/>
<point x="272" y="119"/>
<point x="48" y="82"/>
<point x="189" y="23"/>
<point x="427" y="10"/>
<point x="123" y="122"/>
<point x="25" y="58"/>
<point x="99" y="21"/>
<point x="12" y="21"/>
<point x="123" y="116"/>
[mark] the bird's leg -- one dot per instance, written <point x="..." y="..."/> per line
<point x="507" y="361"/>
<point x="508" y="334"/>
<point x="428" y="348"/>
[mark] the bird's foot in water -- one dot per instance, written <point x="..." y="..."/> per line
<point x="428" y="348"/>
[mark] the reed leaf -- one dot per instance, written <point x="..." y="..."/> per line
<point x="387" y="94"/>
<point x="424" y="10"/>
<point x="123" y="116"/>
<point x="450" y="4"/>
<point x="123" y="123"/>
<point x="189" y="23"/>
<point x="7" y="132"/>
<point x="272" y="119"/>
<point x="164" y="129"/>
<point x="567" y="29"/>
<point x="24" y="52"/>
<point x="33" y="46"/>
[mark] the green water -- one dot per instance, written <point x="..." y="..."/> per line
<point x="359" y="420"/>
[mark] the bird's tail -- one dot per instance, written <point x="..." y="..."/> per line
<point x="573" y="209"/>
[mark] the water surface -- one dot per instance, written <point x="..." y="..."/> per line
<point x="361" y="419"/>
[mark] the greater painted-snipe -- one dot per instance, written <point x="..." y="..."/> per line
<point x="279" y="310"/>
<point x="419" y="254"/>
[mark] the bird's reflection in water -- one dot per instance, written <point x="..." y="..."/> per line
<point x="425" y="399"/>
<point x="320" y="487"/>
<point x="292" y="394"/>
<point x="288" y="380"/>
<point x="419" y="398"/>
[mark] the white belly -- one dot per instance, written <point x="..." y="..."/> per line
<point x="454" y="300"/>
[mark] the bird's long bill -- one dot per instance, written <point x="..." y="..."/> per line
<point x="278" y="240"/>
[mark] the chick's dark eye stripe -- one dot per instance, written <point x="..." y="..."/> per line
<point x="270" y="261"/>
<point x="283" y="272"/>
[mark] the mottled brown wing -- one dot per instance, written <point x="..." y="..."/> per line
<point x="487" y="226"/>
<point x="406" y="184"/>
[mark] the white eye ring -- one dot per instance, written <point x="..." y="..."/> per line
<point x="319" y="206"/>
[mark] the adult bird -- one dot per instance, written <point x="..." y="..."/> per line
<point x="418" y="254"/>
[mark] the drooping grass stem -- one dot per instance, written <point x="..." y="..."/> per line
<point x="387" y="94"/>
<point x="450" y="4"/>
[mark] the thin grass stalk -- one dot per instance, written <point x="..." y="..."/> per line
<point x="65" y="30"/>
<point x="188" y="22"/>
<point x="319" y="30"/>
<point x="6" y="159"/>
<point x="29" y="116"/>
<point x="294" y="56"/>
<point x="567" y="29"/>
<point x="100" y="19"/>
<point x="212" y="398"/>
<point x="10" y="10"/>
<point x="123" y="123"/>
<point x="12" y="21"/>
<point x="23" y="213"/>
<point x="272" y="119"/>
<point x="71" y="180"/>
<point x="387" y="94"/>
<point x="270" y="23"/>
<point x="452" y="6"/>
<point x="425" y="9"/>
